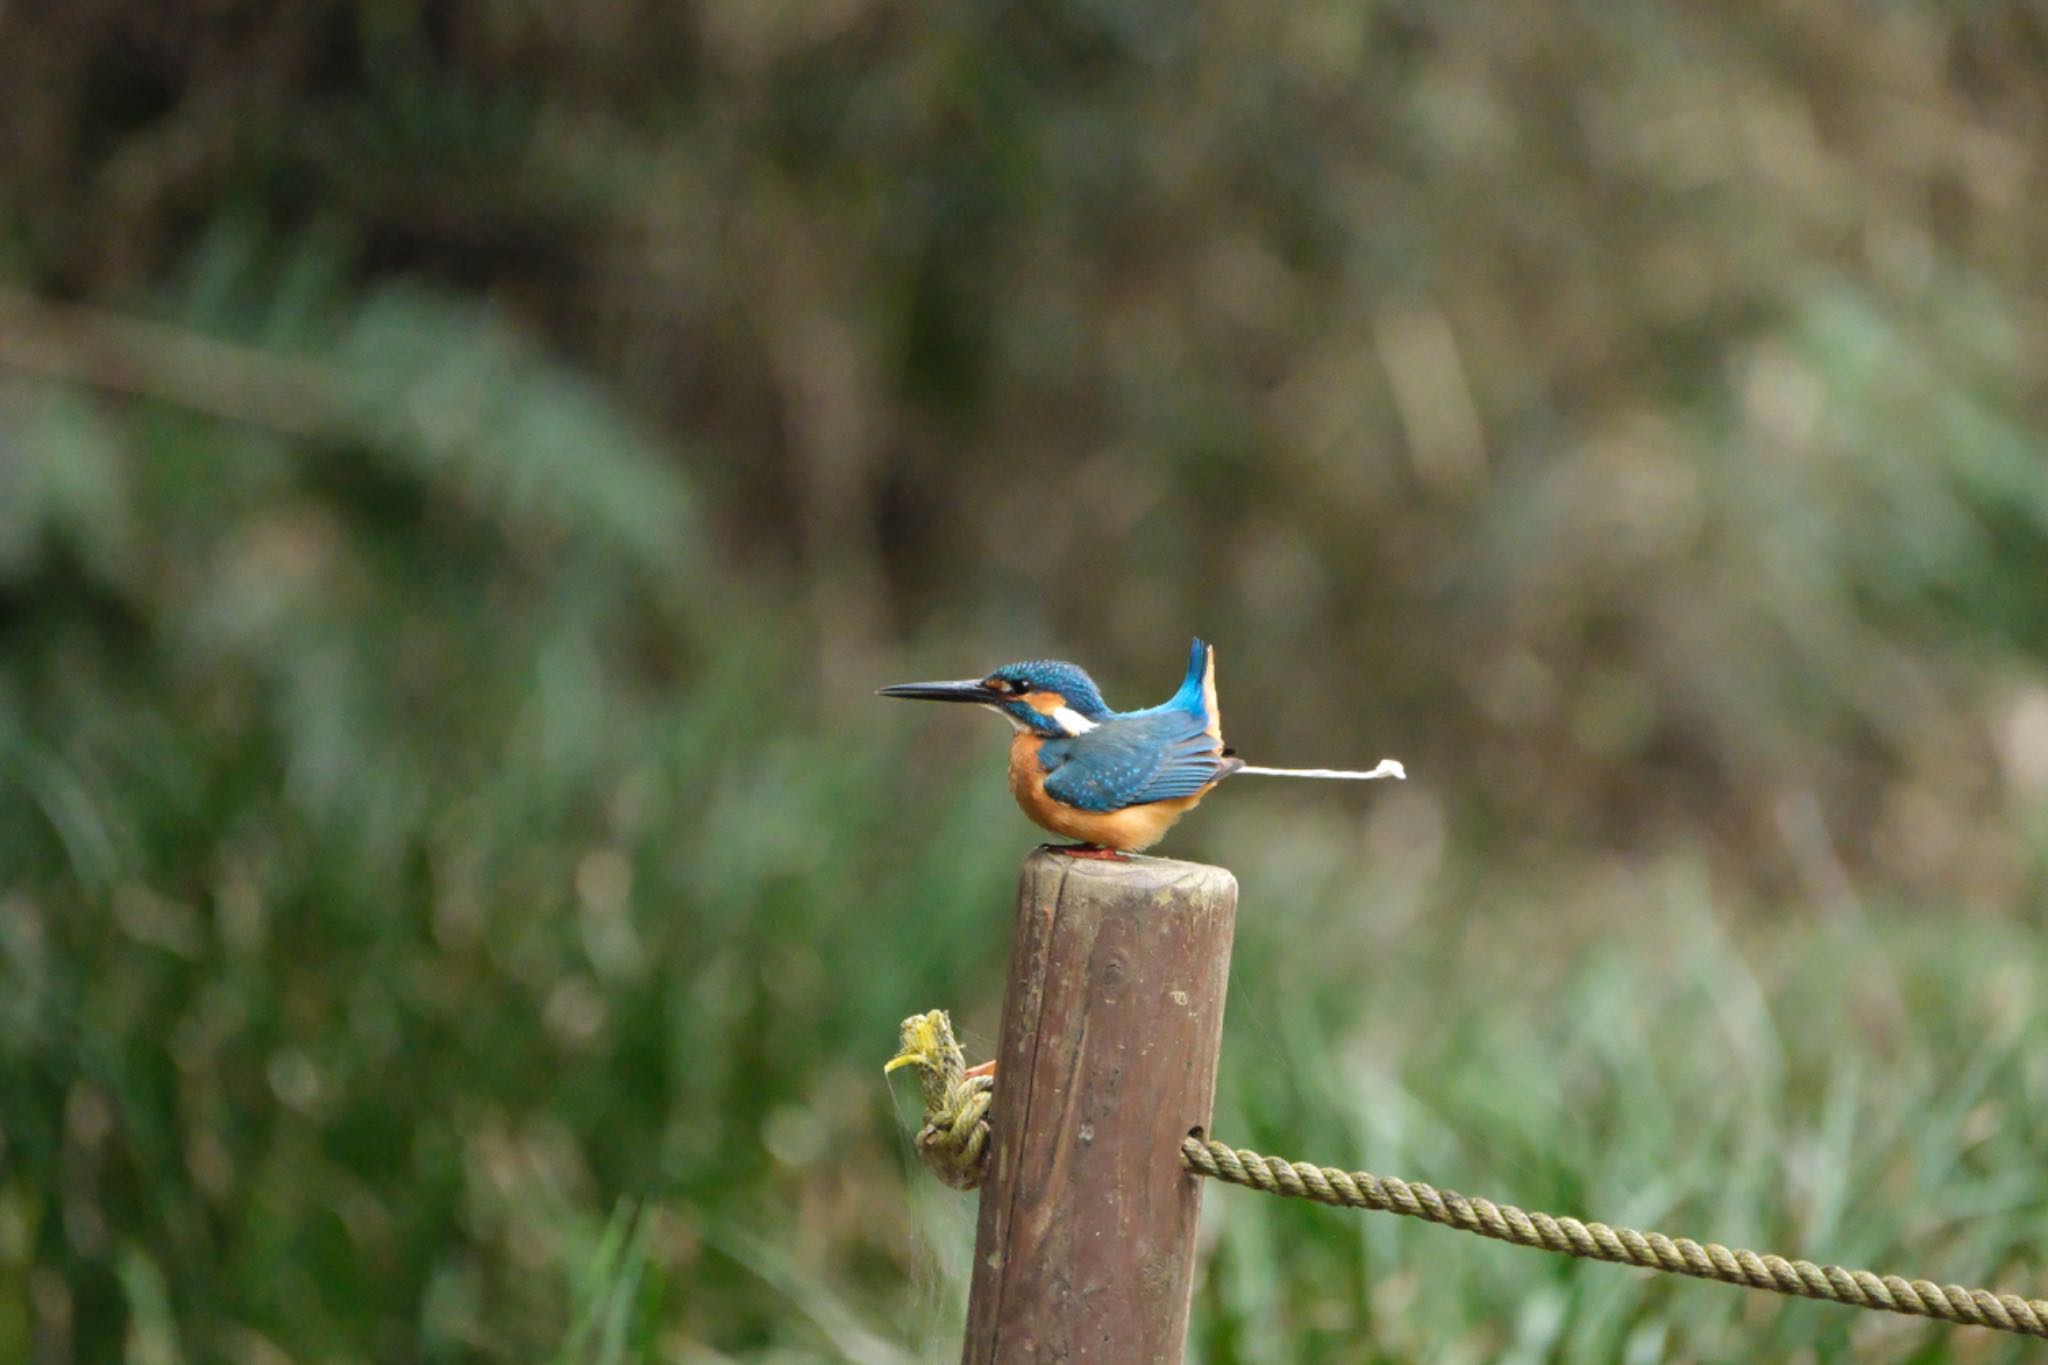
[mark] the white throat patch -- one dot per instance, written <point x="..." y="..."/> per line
<point x="1019" y="726"/>
<point x="1072" y="721"/>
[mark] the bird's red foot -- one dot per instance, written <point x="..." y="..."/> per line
<point x="1108" y="855"/>
<point x="987" y="1068"/>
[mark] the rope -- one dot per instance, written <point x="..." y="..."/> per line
<point x="1622" y="1246"/>
<point x="954" y="1144"/>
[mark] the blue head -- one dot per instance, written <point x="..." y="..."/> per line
<point x="1045" y="696"/>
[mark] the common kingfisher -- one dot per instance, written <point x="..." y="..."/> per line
<point x="1114" y="780"/>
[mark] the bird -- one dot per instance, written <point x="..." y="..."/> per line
<point x="1113" y="781"/>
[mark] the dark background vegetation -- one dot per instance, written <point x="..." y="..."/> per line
<point x="464" y="468"/>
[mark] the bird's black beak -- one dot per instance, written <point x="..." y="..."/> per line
<point x="969" y="690"/>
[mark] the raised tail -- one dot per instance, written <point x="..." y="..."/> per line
<point x="1189" y="697"/>
<point x="1197" y="694"/>
<point x="1386" y="767"/>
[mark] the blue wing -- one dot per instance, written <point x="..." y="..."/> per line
<point x="1132" y="759"/>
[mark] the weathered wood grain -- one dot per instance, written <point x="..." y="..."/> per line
<point x="1111" y="1026"/>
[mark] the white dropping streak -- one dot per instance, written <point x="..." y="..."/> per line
<point x="1386" y="767"/>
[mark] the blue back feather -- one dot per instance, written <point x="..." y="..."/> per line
<point x="1137" y="757"/>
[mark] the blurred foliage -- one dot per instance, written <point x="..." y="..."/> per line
<point x="464" y="467"/>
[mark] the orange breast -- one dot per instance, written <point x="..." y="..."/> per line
<point x="1126" y="830"/>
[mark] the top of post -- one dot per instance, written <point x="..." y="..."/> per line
<point x="1131" y="874"/>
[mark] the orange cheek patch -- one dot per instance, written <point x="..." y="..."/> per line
<point x="1044" y="703"/>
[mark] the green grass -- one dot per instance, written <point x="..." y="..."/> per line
<point x="614" y="1093"/>
<point x="466" y="474"/>
<point x="1867" y="1089"/>
<point x="484" y="944"/>
<point x="1858" y="1090"/>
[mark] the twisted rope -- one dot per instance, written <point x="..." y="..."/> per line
<point x="954" y="1144"/>
<point x="1622" y="1246"/>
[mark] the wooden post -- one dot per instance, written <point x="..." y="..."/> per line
<point x="1111" y="1025"/>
